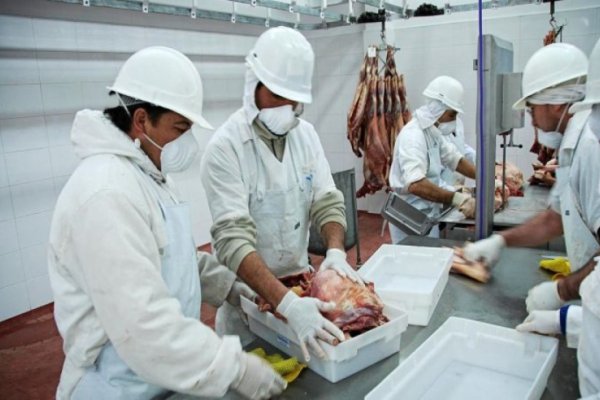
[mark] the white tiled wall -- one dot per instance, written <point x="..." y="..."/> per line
<point x="49" y="69"/>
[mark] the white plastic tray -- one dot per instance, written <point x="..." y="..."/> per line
<point x="466" y="359"/>
<point x="409" y="277"/>
<point x="342" y="360"/>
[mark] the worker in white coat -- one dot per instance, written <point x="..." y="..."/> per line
<point x="552" y="81"/>
<point x="580" y="325"/>
<point x="452" y="180"/>
<point x="421" y="153"/>
<point x="126" y="277"/>
<point x="266" y="180"/>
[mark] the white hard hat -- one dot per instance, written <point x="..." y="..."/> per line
<point x="550" y="66"/>
<point x="592" y="86"/>
<point x="283" y="61"/>
<point x="447" y="90"/>
<point x="166" y="78"/>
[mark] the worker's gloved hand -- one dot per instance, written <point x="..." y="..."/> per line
<point x="335" y="259"/>
<point x="545" y="322"/>
<point x="256" y="379"/>
<point x="486" y="250"/>
<point x="304" y="316"/>
<point x="544" y="297"/>
<point x="239" y="289"/>
<point x="465" y="204"/>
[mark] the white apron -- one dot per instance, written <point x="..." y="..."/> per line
<point x="280" y="207"/>
<point x="110" y="378"/>
<point x="579" y="240"/>
<point x="434" y="174"/>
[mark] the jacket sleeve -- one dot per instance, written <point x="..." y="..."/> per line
<point x="215" y="279"/>
<point x="120" y="271"/>
<point x="449" y="154"/>
<point x="412" y="156"/>
<point x="233" y="230"/>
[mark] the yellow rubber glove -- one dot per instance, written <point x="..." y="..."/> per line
<point x="560" y="265"/>
<point x="288" y="368"/>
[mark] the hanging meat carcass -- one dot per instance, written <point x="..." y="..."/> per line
<point x="377" y="114"/>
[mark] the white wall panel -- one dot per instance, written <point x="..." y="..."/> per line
<point x="20" y="134"/>
<point x="18" y="67"/>
<point x="33" y="229"/>
<point x="8" y="237"/>
<point x="34" y="259"/>
<point x="11" y="270"/>
<point x="3" y="173"/>
<point x="33" y="197"/>
<point x="6" y="209"/>
<point x="20" y="101"/>
<point x="14" y="301"/>
<point x="58" y="128"/>
<point x="28" y="166"/>
<point x="54" y="35"/>
<point x="16" y="33"/>
<point x="62" y="98"/>
<point x="39" y="291"/>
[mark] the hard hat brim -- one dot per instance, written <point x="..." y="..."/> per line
<point x="582" y="105"/>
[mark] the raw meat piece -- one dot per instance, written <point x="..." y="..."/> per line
<point x="474" y="270"/>
<point x="358" y="308"/>
<point x="514" y="178"/>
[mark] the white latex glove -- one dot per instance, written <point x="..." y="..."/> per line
<point x="239" y="289"/>
<point x="335" y="259"/>
<point x="544" y="297"/>
<point x="303" y="314"/>
<point x="465" y="204"/>
<point x="257" y="380"/>
<point x="545" y="322"/>
<point x="488" y="250"/>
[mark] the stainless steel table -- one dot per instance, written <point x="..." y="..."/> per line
<point x="517" y="211"/>
<point x="501" y="301"/>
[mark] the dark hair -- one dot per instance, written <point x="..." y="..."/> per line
<point x="122" y="120"/>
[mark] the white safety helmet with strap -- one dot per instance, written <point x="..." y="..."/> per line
<point x="551" y="66"/>
<point x="283" y="61"/>
<point x="592" y="86"/>
<point x="447" y="90"/>
<point x="163" y="77"/>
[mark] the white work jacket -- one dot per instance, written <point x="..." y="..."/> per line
<point x="239" y="173"/>
<point x="104" y="258"/>
<point x="411" y="161"/>
<point x="451" y="178"/>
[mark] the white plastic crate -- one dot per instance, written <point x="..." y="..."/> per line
<point x="410" y="277"/>
<point x="466" y="359"/>
<point x="342" y="360"/>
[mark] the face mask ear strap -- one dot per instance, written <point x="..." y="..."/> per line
<point x="122" y="103"/>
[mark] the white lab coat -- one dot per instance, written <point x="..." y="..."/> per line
<point x="583" y="323"/>
<point x="580" y="164"/>
<point x="242" y="178"/>
<point x="417" y="143"/>
<point x="105" y="270"/>
<point x="450" y="179"/>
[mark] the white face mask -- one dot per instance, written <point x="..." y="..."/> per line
<point x="178" y="154"/>
<point x="279" y="120"/>
<point x="553" y="139"/>
<point x="447" y="127"/>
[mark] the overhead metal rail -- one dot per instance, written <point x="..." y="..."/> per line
<point x="322" y="13"/>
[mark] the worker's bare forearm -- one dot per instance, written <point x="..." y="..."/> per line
<point x="427" y="190"/>
<point x="333" y="235"/>
<point x="257" y="275"/>
<point x="538" y="230"/>
<point x="568" y="288"/>
<point x="466" y="168"/>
